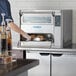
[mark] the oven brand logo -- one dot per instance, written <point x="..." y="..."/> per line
<point x="37" y="27"/>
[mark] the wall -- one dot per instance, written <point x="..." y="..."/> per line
<point x="42" y="4"/>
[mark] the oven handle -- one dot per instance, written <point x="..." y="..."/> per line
<point x="44" y="54"/>
<point x="55" y="55"/>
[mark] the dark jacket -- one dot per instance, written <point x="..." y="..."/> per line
<point x="5" y="8"/>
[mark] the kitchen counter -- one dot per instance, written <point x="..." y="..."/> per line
<point x="51" y="51"/>
<point x="17" y="67"/>
<point x="68" y="50"/>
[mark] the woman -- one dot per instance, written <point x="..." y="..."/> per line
<point x="5" y="8"/>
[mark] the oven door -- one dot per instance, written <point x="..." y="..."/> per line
<point x="37" y="21"/>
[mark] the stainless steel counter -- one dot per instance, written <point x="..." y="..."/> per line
<point x="51" y="51"/>
<point x="70" y="50"/>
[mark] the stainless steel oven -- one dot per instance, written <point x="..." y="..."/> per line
<point x="47" y="28"/>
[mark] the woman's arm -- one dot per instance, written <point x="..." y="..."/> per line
<point x="14" y="27"/>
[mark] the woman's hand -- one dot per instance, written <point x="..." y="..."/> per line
<point x="26" y="36"/>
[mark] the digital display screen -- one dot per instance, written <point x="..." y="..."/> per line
<point x="57" y="20"/>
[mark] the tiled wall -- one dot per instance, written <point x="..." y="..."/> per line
<point x="42" y="4"/>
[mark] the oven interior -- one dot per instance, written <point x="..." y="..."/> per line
<point x="39" y="37"/>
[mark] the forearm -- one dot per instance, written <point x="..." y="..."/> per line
<point x="16" y="28"/>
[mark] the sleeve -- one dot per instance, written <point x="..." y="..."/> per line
<point x="5" y="8"/>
